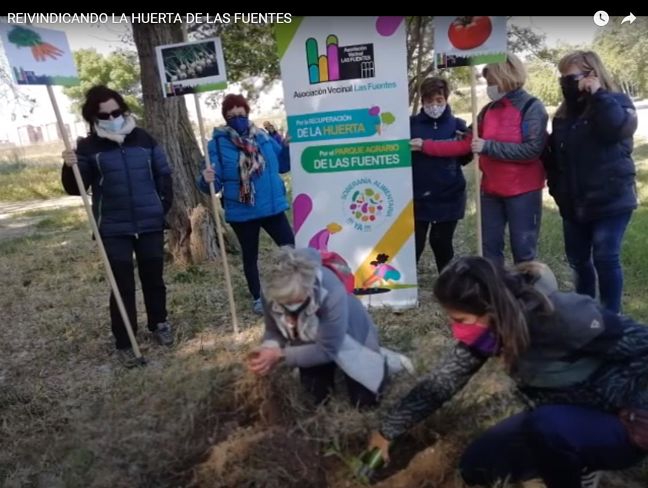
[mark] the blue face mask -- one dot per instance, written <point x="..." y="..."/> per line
<point x="240" y="123"/>
<point x="112" y="125"/>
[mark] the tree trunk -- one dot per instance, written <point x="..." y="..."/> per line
<point x="420" y="27"/>
<point x="192" y="237"/>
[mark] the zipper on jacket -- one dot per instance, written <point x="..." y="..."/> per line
<point x="155" y="183"/>
<point x="130" y="189"/>
<point x="100" y="203"/>
<point x="269" y="176"/>
<point x="573" y="176"/>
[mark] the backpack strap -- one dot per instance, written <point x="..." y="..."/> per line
<point x="527" y="106"/>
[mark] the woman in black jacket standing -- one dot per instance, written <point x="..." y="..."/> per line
<point x="591" y="173"/>
<point x="131" y="193"/>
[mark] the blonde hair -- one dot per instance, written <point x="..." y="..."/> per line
<point x="509" y="75"/>
<point x="587" y="61"/>
<point x="288" y="274"/>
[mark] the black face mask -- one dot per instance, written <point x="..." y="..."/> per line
<point x="569" y="87"/>
<point x="296" y="311"/>
<point x="574" y="98"/>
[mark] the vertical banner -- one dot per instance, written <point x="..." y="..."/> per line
<point x="346" y="94"/>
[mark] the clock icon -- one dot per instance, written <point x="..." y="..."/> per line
<point x="601" y="18"/>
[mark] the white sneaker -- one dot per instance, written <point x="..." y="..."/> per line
<point x="397" y="362"/>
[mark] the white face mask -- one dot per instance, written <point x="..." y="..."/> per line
<point x="493" y="92"/>
<point x="112" y="125"/>
<point x="434" y="111"/>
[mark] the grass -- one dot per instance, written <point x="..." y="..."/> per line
<point x="24" y="177"/>
<point x="70" y="417"/>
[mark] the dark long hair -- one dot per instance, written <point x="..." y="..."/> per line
<point x="97" y="95"/>
<point x="475" y="285"/>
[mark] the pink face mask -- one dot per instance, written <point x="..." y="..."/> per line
<point x="476" y="336"/>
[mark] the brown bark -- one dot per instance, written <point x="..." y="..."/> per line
<point x="168" y="121"/>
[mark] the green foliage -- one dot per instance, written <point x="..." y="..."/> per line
<point x="250" y="51"/>
<point x="119" y="70"/>
<point x="543" y="82"/>
<point x="624" y="50"/>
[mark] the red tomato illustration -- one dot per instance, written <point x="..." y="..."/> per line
<point x="469" y="32"/>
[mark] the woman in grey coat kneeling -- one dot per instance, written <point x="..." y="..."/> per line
<point x="314" y="324"/>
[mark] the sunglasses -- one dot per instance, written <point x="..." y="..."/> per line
<point x="578" y="77"/>
<point x="114" y="114"/>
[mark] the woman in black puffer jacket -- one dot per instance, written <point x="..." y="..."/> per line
<point x="131" y="193"/>
<point x="591" y="173"/>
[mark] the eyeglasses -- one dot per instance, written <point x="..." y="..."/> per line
<point x="114" y="114"/>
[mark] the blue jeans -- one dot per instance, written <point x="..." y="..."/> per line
<point x="557" y="443"/>
<point x="523" y="214"/>
<point x="600" y="239"/>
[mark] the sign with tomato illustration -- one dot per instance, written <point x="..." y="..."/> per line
<point x="38" y="56"/>
<point x="468" y="36"/>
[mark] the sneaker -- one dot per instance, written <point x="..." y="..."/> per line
<point x="163" y="334"/>
<point x="127" y="358"/>
<point x="591" y="480"/>
<point x="257" y="306"/>
<point x="397" y="362"/>
<point x="407" y="365"/>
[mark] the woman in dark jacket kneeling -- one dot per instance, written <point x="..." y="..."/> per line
<point x="582" y="369"/>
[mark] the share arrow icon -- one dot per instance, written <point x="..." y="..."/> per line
<point x="630" y="18"/>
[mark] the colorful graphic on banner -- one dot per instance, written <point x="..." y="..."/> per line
<point x="346" y="94"/>
<point x="38" y="56"/>
<point x="191" y="67"/>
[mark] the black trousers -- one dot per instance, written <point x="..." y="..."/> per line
<point x="149" y="252"/>
<point x="248" y="233"/>
<point x="441" y="234"/>
<point x="319" y="381"/>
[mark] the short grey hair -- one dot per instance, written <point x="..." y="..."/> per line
<point x="288" y="273"/>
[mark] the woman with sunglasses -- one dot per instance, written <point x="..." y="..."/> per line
<point x="246" y="163"/>
<point x="314" y="324"/>
<point x="131" y="193"/>
<point x="591" y="174"/>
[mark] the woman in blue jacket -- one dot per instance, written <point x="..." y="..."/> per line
<point x="131" y="193"/>
<point x="439" y="184"/>
<point x="246" y="164"/>
<point x="591" y="173"/>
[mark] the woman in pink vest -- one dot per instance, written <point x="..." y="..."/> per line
<point x="513" y="133"/>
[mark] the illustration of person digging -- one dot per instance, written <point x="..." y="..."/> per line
<point x="320" y="240"/>
<point x="383" y="273"/>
